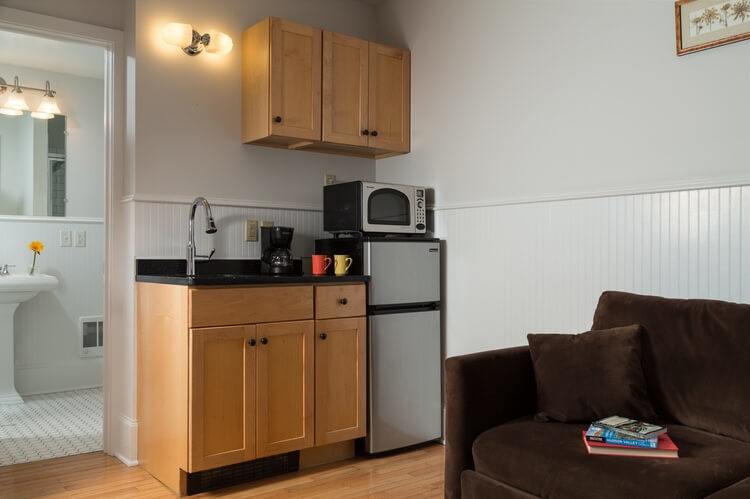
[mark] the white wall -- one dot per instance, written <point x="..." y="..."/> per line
<point x="47" y="341"/>
<point x="187" y="109"/>
<point x="520" y="100"/>
<point x="515" y="104"/>
<point x="81" y="100"/>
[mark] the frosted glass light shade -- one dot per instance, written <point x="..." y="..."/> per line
<point x="10" y="112"/>
<point x="16" y="101"/>
<point x="220" y="43"/>
<point x="177" y="34"/>
<point x="42" y="116"/>
<point x="48" y="106"/>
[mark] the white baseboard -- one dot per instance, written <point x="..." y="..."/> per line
<point x="128" y="441"/>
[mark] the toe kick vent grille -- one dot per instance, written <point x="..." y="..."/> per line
<point x="203" y="481"/>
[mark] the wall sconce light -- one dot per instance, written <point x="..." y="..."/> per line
<point x="15" y="104"/>
<point x="193" y="43"/>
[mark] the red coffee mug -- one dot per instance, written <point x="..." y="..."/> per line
<point x="320" y="264"/>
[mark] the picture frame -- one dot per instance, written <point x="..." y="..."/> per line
<point x="705" y="24"/>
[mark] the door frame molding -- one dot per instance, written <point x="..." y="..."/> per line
<point x="116" y="398"/>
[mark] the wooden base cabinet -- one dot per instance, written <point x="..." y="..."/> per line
<point x="212" y="392"/>
<point x="340" y="380"/>
<point x="285" y="387"/>
<point x="221" y="396"/>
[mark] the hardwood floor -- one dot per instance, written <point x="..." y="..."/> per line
<point x="417" y="473"/>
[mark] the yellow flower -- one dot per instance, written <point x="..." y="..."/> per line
<point x="36" y="246"/>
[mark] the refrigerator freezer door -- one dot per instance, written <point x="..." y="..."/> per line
<point x="403" y="272"/>
<point x="405" y="384"/>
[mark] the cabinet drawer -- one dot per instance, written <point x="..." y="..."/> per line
<point x="249" y="305"/>
<point x="339" y="301"/>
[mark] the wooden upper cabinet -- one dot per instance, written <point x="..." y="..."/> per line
<point x="345" y="89"/>
<point x="340" y="374"/>
<point x="221" y="415"/>
<point x="295" y="80"/>
<point x="389" y="89"/>
<point x="285" y="387"/>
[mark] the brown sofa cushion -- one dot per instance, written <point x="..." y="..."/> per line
<point x="588" y="376"/>
<point x="696" y="357"/>
<point x="550" y="460"/>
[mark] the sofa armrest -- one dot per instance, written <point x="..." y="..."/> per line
<point x="482" y="390"/>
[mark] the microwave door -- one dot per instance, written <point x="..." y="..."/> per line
<point x="387" y="209"/>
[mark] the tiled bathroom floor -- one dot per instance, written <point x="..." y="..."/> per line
<point x="51" y="425"/>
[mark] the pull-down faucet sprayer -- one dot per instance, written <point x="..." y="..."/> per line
<point x="210" y="229"/>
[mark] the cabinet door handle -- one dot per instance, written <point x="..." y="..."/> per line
<point x="365" y="132"/>
<point x="374" y="133"/>
<point x="323" y="336"/>
<point x="264" y="340"/>
<point x="277" y="119"/>
<point x="343" y="301"/>
<point x="251" y="342"/>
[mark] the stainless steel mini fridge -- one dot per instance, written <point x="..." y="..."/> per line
<point x="404" y="382"/>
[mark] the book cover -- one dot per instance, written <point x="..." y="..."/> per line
<point x="631" y="427"/>
<point x="603" y="435"/>
<point x="665" y="449"/>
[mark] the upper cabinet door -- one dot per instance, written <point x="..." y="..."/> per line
<point x="390" y="75"/>
<point x="345" y="84"/>
<point x="295" y="80"/>
<point x="221" y="397"/>
<point x="285" y="387"/>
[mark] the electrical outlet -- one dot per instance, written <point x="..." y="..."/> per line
<point x="80" y="239"/>
<point x="329" y="179"/>
<point x="65" y="239"/>
<point x="266" y="223"/>
<point x="251" y="230"/>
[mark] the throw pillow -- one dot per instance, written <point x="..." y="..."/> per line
<point x="592" y="375"/>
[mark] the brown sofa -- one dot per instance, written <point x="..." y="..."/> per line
<point x="696" y="359"/>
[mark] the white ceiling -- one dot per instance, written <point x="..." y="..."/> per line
<point x="52" y="55"/>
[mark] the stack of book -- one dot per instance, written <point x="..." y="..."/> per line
<point x="616" y="436"/>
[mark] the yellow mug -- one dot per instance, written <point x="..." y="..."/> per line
<point x="341" y="264"/>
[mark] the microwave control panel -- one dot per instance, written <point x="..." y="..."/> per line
<point x="420" y="210"/>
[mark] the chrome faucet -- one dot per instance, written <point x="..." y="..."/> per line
<point x="210" y="229"/>
<point x="4" y="270"/>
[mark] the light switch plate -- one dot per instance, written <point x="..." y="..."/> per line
<point x="251" y="230"/>
<point x="329" y="179"/>
<point x="80" y="239"/>
<point x="266" y="223"/>
<point x="65" y="239"/>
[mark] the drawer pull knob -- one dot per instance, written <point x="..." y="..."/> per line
<point x="264" y="340"/>
<point x="323" y="336"/>
<point x="277" y="119"/>
<point x="343" y="301"/>
<point x="251" y="342"/>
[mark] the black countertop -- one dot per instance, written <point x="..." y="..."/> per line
<point x="224" y="273"/>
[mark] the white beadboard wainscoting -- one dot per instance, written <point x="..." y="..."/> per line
<point x="540" y="267"/>
<point x="162" y="230"/>
<point x="47" y="337"/>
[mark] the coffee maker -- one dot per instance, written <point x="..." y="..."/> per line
<point x="276" y="258"/>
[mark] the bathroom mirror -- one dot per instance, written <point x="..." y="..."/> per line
<point x="52" y="167"/>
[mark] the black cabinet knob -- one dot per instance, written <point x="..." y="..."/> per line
<point x="343" y="301"/>
<point x="277" y="119"/>
<point x="323" y="336"/>
<point x="365" y="132"/>
<point x="251" y="342"/>
<point x="264" y="340"/>
<point x="374" y="133"/>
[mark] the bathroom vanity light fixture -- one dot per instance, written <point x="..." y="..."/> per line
<point x="15" y="104"/>
<point x="193" y="43"/>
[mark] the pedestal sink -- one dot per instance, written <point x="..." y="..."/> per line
<point x="15" y="289"/>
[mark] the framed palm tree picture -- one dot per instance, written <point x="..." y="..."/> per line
<point x="704" y="24"/>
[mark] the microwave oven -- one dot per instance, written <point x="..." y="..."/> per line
<point x="374" y="208"/>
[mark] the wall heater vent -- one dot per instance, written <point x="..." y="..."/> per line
<point x="92" y="336"/>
